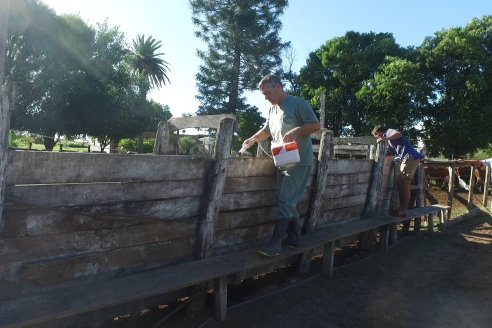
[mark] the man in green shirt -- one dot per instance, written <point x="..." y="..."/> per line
<point x="290" y="119"/>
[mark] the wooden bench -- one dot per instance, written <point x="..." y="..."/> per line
<point x="56" y="306"/>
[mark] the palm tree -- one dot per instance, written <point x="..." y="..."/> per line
<point x="146" y="61"/>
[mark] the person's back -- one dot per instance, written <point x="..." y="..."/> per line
<point x="409" y="159"/>
<point x="402" y="146"/>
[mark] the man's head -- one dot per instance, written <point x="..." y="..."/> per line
<point x="378" y="131"/>
<point x="271" y="87"/>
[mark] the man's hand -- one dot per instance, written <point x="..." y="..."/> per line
<point x="248" y="143"/>
<point x="290" y="136"/>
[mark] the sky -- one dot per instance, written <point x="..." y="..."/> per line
<point x="307" y="24"/>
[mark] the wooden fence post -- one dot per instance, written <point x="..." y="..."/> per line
<point x="163" y="140"/>
<point x="321" y="177"/>
<point x="374" y="195"/>
<point x="7" y="100"/>
<point x="394" y="203"/>
<point x="387" y="184"/>
<point x="452" y="170"/>
<point x="6" y="106"/>
<point x="471" y="188"/>
<point x="205" y="236"/>
<point x="215" y="188"/>
<point x="375" y="183"/>
<point x="421" y="196"/>
<point x="486" y="185"/>
<point x="317" y="199"/>
<point x="4" y="27"/>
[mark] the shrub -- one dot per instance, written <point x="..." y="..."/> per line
<point x="76" y="145"/>
<point x="187" y="145"/>
<point x="126" y="145"/>
<point x="14" y="139"/>
<point x="148" y="146"/>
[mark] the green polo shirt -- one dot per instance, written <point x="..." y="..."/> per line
<point x="293" y="112"/>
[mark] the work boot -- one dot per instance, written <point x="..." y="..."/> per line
<point x="293" y="239"/>
<point x="273" y="247"/>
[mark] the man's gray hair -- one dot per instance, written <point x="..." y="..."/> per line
<point x="378" y="128"/>
<point x="269" y="79"/>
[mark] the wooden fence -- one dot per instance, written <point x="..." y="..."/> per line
<point x="74" y="215"/>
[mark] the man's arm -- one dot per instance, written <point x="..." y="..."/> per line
<point x="393" y="135"/>
<point x="259" y="136"/>
<point x="305" y="129"/>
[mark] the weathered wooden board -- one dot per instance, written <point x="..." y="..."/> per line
<point x="341" y="215"/>
<point x="262" y="183"/>
<point x="73" y="194"/>
<point x="345" y="190"/>
<point x="60" y="304"/>
<point x="250" y="167"/>
<point x="167" y="209"/>
<point x="245" y="200"/>
<point x="205" y="121"/>
<point x="353" y="178"/>
<point x="253" y="216"/>
<point x="344" y="202"/>
<point x="117" y="261"/>
<point x="245" y="236"/>
<point x="244" y="218"/>
<point x="28" y="167"/>
<point x="347" y="166"/>
<point x="35" y="221"/>
<point x="367" y="140"/>
<point x="81" y="242"/>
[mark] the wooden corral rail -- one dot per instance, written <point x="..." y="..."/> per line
<point x="166" y="140"/>
<point x="104" y="297"/>
<point x="361" y="147"/>
<point x="447" y="173"/>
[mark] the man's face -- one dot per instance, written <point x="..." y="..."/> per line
<point x="378" y="134"/>
<point x="271" y="92"/>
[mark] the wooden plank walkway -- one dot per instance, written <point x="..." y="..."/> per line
<point x="58" y="305"/>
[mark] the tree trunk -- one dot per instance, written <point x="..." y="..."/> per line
<point x="49" y="143"/>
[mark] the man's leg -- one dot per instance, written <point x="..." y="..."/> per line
<point x="291" y="184"/>
<point x="407" y="171"/>
<point x="273" y="247"/>
<point x="293" y="239"/>
<point x="403" y="184"/>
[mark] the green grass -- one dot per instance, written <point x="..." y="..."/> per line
<point x="68" y="146"/>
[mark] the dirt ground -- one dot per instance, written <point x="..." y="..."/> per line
<point x="442" y="279"/>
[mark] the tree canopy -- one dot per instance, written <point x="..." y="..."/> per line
<point x="147" y="62"/>
<point x="340" y="68"/>
<point x="75" y="79"/>
<point x="242" y="45"/>
<point x="438" y="92"/>
<point x="458" y="64"/>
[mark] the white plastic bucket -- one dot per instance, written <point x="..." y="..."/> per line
<point x="285" y="154"/>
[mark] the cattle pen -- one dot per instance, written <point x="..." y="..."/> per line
<point x="86" y="237"/>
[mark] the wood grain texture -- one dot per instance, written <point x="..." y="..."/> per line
<point x="30" y="167"/>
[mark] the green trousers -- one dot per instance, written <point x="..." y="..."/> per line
<point x="291" y="184"/>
